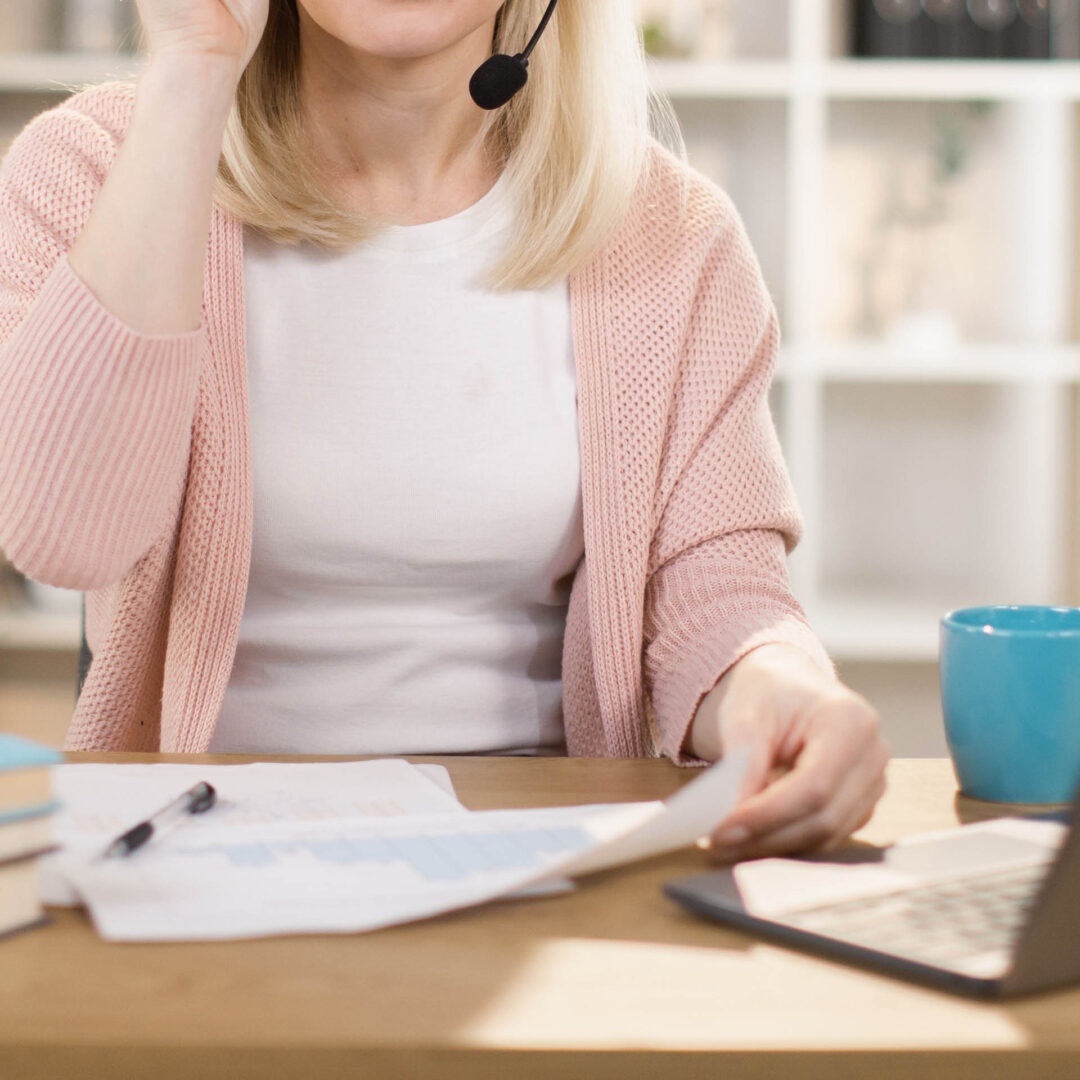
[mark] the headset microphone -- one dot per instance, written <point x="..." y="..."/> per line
<point x="500" y="77"/>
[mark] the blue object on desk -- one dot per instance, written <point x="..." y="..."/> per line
<point x="19" y="753"/>
<point x="1010" y="690"/>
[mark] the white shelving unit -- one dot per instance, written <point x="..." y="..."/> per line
<point x="931" y="474"/>
<point x="1026" y="372"/>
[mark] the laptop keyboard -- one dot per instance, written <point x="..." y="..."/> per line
<point x="943" y="924"/>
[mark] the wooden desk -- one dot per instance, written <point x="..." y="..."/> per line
<point x="612" y="982"/>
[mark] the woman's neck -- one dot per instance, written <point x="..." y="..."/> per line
<point x="396" y="137"/>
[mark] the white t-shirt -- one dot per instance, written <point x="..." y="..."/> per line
<point x="417" y="498"/>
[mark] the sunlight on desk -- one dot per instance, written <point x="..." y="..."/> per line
<point x="554" y="996"/>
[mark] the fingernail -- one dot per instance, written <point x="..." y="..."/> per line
<point x="732" y="836"/>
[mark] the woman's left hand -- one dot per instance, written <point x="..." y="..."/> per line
<point x="817" y="760"/>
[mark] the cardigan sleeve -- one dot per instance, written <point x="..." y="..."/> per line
<point x="726" y="514"/>
<point x="95" y="417"/>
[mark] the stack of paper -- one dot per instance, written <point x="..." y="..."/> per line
<point x="355" y="846"/>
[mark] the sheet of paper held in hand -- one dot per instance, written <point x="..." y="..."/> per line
<point x="345" y="875"/>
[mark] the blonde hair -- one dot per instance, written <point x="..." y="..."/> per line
<point x="573" y="144"/>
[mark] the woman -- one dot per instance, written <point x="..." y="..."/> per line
<point x="440" y="394"/>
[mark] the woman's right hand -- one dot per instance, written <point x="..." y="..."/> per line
<point x="225" y="29"/>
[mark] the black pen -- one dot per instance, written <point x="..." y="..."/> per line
<point x="197" y="800"/>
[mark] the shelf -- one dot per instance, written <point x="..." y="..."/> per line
<point x="955" y="80"/>
<point x="42" y="630"/>
<point x="871" y="361"/>
<point x="60" y="71"/>
<point x="63" y="71"/>
<point x="721" y="78"/>
<point x="884" y="80"/>
<point x="49" y="71"/>
<point x="861" y="629"/>
<point x="891" y="80"/>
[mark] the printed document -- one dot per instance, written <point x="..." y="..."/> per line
<point x="98" y="802"/>
<point x="339" y="875"/>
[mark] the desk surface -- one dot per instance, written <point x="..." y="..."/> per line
<point x="612" y="981"/>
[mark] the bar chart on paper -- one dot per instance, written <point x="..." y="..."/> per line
<point x="100" y="801"/>
<point x="434" y="859"/>
<point x="320" y="877"/>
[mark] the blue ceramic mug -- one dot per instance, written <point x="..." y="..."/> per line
<point x="1010" y="689"/>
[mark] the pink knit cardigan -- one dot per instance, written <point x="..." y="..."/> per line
<point x="125" y="468"/>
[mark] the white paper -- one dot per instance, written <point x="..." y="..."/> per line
<point x="440" y="776"/>
<point x="699" y="805"/>
<point x="351" y="875"/>
<point x="98" y="802"/>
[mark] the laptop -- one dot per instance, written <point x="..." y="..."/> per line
<point x="991" y="910"/>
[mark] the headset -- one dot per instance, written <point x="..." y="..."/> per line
<point x="500" y="77"/>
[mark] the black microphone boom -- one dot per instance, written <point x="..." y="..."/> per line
<point x="500" y="77"/>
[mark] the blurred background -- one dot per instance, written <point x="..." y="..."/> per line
<point x="907" y="170"/>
